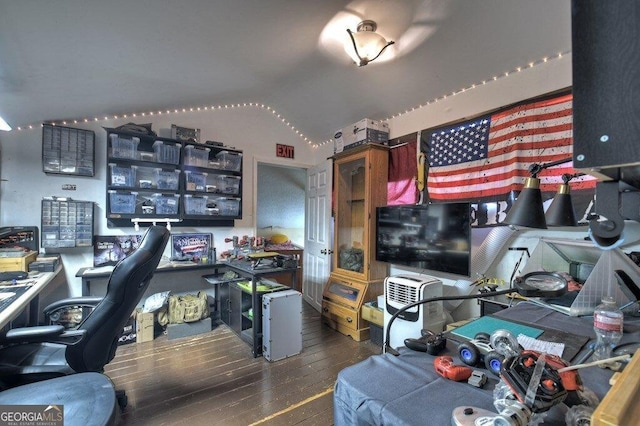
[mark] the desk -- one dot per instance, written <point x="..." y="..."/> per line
<point x="30" y="298"/>
<point x="252" y="333"/>
<point x="289" y="250"/>
<point x="91" y="274"/>
<point x="405" y="390"/>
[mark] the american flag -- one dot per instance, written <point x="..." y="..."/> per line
<point x="487" y="158"/>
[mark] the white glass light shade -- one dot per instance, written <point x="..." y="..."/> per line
<point x="365" y="45"/>
<point x="368" y="43"/>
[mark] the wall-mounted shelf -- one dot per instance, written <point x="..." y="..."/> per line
<point x="159" y="178"/>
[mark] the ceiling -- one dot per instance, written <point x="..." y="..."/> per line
<point x="74" y="59"/>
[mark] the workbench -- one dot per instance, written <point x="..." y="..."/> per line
<point x="406" y="390"/>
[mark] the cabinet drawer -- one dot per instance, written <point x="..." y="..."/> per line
<point x="344" y="316"/>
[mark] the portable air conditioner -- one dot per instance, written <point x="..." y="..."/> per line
<point x="402" y="290"/>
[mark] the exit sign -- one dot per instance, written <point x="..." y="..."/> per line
<point x="285" y="151"/>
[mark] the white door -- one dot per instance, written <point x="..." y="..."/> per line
<point x="318" y="242"/>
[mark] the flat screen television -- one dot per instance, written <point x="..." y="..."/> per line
<point x="436" y="237"/>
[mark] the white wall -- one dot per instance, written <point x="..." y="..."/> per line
<point x="546" y="77"/>
<point x="251" y="129"/>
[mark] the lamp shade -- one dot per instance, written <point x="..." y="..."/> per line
<point x="528" y="210"/>
<point x="561" y="212"/>
<point x="365" y="44"/>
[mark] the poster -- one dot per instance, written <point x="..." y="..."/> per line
<point x="110" y="249"/>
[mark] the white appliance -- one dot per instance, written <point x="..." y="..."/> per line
<point x="401" y="290"/>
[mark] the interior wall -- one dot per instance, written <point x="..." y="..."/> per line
<point x="253" y="130"/>
<point x="281" y="202"/>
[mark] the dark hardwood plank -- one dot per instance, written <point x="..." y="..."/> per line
<point x="212" y="378"/>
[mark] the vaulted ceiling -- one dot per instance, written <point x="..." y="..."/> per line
<point x="73" y="59"/>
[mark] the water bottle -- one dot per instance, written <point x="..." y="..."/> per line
<point x="607" y="324"/>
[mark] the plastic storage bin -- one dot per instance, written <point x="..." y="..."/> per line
<point x="167" y="179"/>
<point x="124" y="148"/>
<point x="195" y="181"/>
<point x="122" y="176"/>
<point x="122" y="203"/>
<point x="167" y="152"/>
<point x="167" y="204"/>
<point x="195" y="205"/>
<point x="229" y="185"/>
<point x="222" y="206"/>
<point x="229" y="160"/>
<point x="196" y="156"/>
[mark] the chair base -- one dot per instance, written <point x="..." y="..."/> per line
<point x="87" y="398"/>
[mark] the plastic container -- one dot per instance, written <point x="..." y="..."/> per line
<point x="167" y="179"/>
<point x="124" y="148"/>
<point x="230" y="160"/>
<point x="195" y="181"/>
<point x="607" y="324"/>
<point x="196" y="156"/>
<point x="229" y="185"/>
<point x="223" y="206"/>
<point x="122" y="203"/>
<point x="122" y="176"/>
<point x="167" y="204"/>
<point x="195" y="205"/>
<point x="167" y="152"/>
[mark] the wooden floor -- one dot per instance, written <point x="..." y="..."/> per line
<point x="212" y="378"/>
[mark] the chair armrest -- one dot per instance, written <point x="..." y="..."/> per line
<point x="72" y="301"/>
<point x="33" y="334"/>
<point x="43" y="333"/>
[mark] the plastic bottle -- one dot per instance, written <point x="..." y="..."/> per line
<point x="607" y="324"/>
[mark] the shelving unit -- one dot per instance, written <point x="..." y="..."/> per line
<point x="153" y="177"/>
<point x="241" y="304"/>
<point x="360" y="182"/>
<point x="68" y="151"/>
<point x="66" y="223"/>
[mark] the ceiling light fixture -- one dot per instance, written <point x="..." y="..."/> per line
<point x="4" y="125"/>
<point x="366" y="45"/>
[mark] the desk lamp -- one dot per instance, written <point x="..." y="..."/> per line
<point x="528" y="210"/>
<point x="535" y="284"/>
<point x="561" y="212"/>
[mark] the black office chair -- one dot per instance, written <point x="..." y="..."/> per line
<point x="33" y="354"/>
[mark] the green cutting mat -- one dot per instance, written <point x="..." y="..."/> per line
<point x="488" y="325"/>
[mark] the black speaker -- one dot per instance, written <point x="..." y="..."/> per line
<point x="606" y="87"/>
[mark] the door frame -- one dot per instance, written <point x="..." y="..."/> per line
<point x="273" y="162"/>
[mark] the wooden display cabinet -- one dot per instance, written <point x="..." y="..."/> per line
<point x="360" y="185"/>
<point x="342" y="299"/>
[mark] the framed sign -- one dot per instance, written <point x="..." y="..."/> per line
<point x="185" y="134"/>
<point x="284" y="151"/>
<point x="190" y="246"/>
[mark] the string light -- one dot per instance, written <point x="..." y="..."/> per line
<point x="293" y="128"/>
<point x="508" y="73"/>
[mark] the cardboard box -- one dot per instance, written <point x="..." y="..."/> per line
<point x="145" y="323"/>
<point x="18" y="263"/>
<point x="364" y="131"/>
<point x="373" y="314"/>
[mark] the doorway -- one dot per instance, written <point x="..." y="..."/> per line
<point x="280" y="202"/>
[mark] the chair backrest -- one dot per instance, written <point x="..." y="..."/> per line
<point x="127" y="284"/>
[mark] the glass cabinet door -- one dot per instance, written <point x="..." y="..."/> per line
<point x="351" y="217"/>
